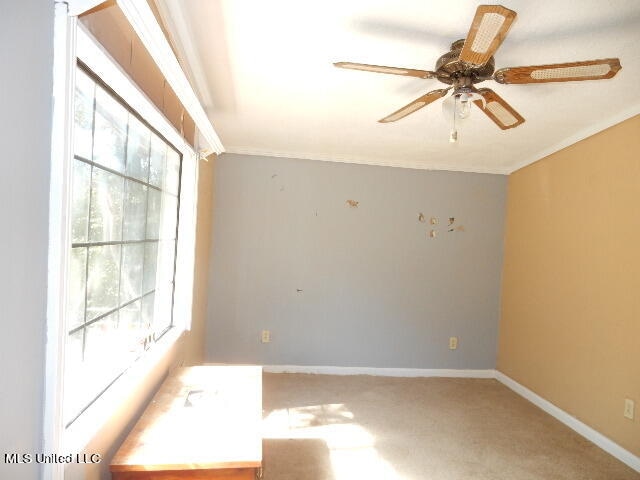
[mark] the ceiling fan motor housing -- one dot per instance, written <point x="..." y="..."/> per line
<point x="452" y="71"/>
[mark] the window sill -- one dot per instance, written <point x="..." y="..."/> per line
<point x="117" y="397"/>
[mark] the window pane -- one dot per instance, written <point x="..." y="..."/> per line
<point x="104" y="280"/>
<point x="106" y="206"/>
<point x="109" y="348"/>
<point x="147" y="310"/>
<point x="80" y="201"/>
<point x="132" y="326"/>
<point x="83" y="113"/>
<point x="157" y="161"/>
<point x="131" y="277"/>
<point x="138" y="141"/>
<point x="172" y="178"/>
<point x="154" y="207"/>
<point x="110" y="131"/>
<point x="166" y="257"/>
<point x="135" y="211"/>
<point x="77" y="286"/>
<point x="169" y="216"/>
<point x="162" y="308"/>
<point x="102" y="340"/>
<point x="106" y="353"/>
<point x="150" y="266"/>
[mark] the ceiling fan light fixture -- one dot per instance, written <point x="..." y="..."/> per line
<point x="459" y="102"/>
<point x="457" y="108"/>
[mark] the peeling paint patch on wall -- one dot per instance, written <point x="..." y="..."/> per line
<point x="454" y="228"/>
<point x="451" y="227"/>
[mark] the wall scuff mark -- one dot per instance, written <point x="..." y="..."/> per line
<point x="421" y="217"/>
<point x="353" y="203"/>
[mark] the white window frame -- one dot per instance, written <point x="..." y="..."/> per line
<point x="72" y="42"/>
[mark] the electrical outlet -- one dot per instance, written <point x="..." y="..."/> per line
<point x="453" y="343"/>
<point x="629" y="407"/>
<point x="266" y="336"/>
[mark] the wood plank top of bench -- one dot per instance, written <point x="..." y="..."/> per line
<point x="203" y="417"/>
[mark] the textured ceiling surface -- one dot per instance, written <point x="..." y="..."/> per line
<point x="264" y="73"/>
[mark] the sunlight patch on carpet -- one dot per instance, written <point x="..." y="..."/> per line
<point x="351" y="447"/>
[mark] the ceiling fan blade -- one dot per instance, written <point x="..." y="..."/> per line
<point x="417" y="104"/>
<point x="382" y="69"/>
<point x="560" y="72"/>
<point x="488" y="29"/>
<point x="498" y="110"/>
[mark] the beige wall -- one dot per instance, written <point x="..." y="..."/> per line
<point x="570" y="321"/>
<point x="204" y="220"/>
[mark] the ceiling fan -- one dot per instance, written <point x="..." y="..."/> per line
<point x="471" y="61"/>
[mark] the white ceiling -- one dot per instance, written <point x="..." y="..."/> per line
<point x="264" y="73"/>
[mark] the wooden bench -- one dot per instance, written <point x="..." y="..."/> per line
<point x="203" y="423"/>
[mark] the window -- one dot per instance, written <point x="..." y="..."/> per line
<point x="124" y="224"/>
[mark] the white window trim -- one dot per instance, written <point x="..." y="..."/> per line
<point x="59" y="232"/>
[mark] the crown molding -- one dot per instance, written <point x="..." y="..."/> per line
<point x="239" y="150"/>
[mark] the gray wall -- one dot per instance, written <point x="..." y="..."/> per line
<point x="26" y="36"/>
<point x="376" y="290"/>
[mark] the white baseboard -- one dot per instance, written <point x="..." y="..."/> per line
<point x="381" y="372"/>
<point x="586" y="431"/>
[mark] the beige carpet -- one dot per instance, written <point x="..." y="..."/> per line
<point x="325" y="427"/>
